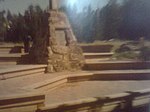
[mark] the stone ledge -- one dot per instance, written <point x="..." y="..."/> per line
<point x="116" y="65"/>
<point x="51" y="83"/>
<point x="96" y="56"/>
<point x="111" y="75"/>
<point x="19" y="68"/>
<point x="89" y="76"/>
<point x="14" y="55"/>
<point x="96" y="48"/>
<point x="103" y="54"/>
<point x="19" y="100"/>
<point x="108" y="102"/>
<point x="85" y="103"/>
<point x="121" y="62"/>
<point x="22" y="73"/>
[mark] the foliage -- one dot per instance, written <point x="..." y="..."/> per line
<point x="2" y="25"/>
<point x="145" y="54"/>
<point x="126" y="55"/>
<point x="123" y="48"/>
<point x="126" y="21"/>
<point x="33" y="22"/>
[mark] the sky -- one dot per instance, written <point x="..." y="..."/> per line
<point x="84" y="3"/>
<point x="19" y="6"/>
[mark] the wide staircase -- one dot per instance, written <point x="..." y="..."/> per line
<point x="98" y="60"/>
<point x="10" y="54"/>
<point x="97" y="52"/>
<point x="27" y="88"/>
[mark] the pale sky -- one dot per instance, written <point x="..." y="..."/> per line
<point x="16" y="6"/>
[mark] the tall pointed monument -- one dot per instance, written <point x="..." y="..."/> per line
<point x="59" y="48"/>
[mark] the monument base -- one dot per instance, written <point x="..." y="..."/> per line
<point x="59" y="50"/>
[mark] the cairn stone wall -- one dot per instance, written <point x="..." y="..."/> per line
<point x="59" y="49"/>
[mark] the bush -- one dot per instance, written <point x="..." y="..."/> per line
<point x="123" y="48"/>
<point x="126" y="55"/>
<point x="145" y="54"/>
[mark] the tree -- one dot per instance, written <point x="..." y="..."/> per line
<point x="112" y="20"/>
<point x="2" y="25"/>
<point x="136" y="19"/>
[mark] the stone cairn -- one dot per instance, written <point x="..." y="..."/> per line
<point x="59" y="48"/>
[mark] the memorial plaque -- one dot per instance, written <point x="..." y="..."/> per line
<point x="60" y="37"/>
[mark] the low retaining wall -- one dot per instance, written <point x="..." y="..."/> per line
<point x="22" y="103"/>
<point x="125" y="102"/>
<point x="117" y="65"/>
<point x="96" y="48"/>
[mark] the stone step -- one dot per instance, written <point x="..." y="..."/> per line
<point x="13" y="59"/>
<point x="55" y="82"/>
<point x="13" y="55"/>
<point x="106" y="103"/>
<point x="23" y="102"/>
<point x="8" y="63"/>
<point x="11" y="49"/>
<point x="109" y="75"/>
<point x="97" y="55"/>
<point x="8" y="72"/>
<point x="10" y="59"/>
<point x="7" y="44"/>
<point x="100" y="59"/>
<point x="48" y="84"/>
<point x="96" y="48"/>
<point x="116" y="65"/>
<point x="6" y="51"/>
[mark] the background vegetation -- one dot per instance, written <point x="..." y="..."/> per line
<point x="128" y="20"/>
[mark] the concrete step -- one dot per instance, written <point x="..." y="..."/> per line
<point x="24" y="102"/>
<point x="57" y="81"/>
<point x="13" y="55"/>
<point x="96" y="48"/>
<point x="116" y="65"/>
<point x="10" y="59"/>
<point x="108" y="75"/>
<point x="133" y="100"/>
<point x="5" y="50"/>
<point x="8" y="63"/>
<point x="98" y="55"/>
<point x="10" y="49"/>
<point x="99" y="59"/>
<point x="8" y="72"/>
<point x="48" y="84"/>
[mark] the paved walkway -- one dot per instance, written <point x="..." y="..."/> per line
<point x="15" y="85"/>
<point x="81" y="90"/>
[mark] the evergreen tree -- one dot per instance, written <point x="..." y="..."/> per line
<point x="136" y="19"/>
<point x="2" y="25"/>
<point x="112" y="20"/>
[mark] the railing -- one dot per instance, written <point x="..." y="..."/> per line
<point x="132" y="101"/>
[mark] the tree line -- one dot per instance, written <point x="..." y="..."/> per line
<point x="126" y="20"/>
<point x="16" y="27"/>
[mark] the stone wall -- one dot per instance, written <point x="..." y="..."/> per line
<point x="131" y="101"/>
<point x="59" y="49"/>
